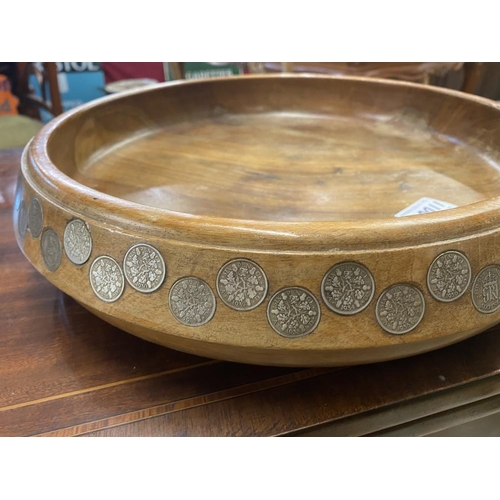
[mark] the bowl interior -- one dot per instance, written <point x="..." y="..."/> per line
<point x="285" y="149"/>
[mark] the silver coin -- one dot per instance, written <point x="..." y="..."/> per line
<point x="347" y="288"/>
<point x="18" y="196"/>
<point x="449" y="276"/>
<point x="51" y="249"/>
<point x="400" y="308"/>
<point x="486" y="290"/>
<point x="35" y="218"/>
<point x="106" y="278"/>
<point x="77" y="241"/>
<point x="22" y="220"/>
<point x="144" y="268"/>
<point x="192" y="301"/>
<point x="293" y="312"/>
<point x="242" y="284"/>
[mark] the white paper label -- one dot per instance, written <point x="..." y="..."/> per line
<point x="425" y="206"/>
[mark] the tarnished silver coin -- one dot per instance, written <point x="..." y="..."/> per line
<point x="51" y="249"/>
<point x="348" y="288"/>
<point x="19" y="191"/>
<point x="22" y="220"/>
<point x="35" y="218"/>
<point x="144" y="268"/>
<point x="192" y="301"/>
<point x="293" y="312"/>
<point x="242" y="284"/>
<point x="449" y="276"/>
<point x="486" y="290"/>
<point x="106" y="278"/>
<point x="77" y="241"/>
<point x="400" y="308"/>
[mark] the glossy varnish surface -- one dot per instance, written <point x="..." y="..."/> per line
<point x="65" y="372"/>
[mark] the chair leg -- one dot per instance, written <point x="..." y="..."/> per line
<point x="471" y="76"/>
<point x="177" y="73"/>
<point x="50" y="70"/>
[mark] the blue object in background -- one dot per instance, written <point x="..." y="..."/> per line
<point x="79" y="82"/>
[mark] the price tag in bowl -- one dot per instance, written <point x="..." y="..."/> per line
<point x="425" y="206"/>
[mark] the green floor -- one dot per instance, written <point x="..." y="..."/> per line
<point x="16" y="131"/>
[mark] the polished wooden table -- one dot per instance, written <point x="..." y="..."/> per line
<point x="64" y="372"/>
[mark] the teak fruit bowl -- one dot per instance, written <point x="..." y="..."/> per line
<point x="253" y="218"/>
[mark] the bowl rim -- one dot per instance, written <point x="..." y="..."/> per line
<point x="261" y="235"/>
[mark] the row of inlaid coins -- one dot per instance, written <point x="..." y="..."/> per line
<point x="347" y="288"/>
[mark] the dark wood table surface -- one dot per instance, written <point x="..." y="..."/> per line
<point x="64" y="372"/>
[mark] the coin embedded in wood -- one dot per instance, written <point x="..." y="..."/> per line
<point x="144" y="268"/>
<point x="18" y="195"/>
<point x="400" y="308"/>
<point x="449" y="276"/>
<point x="192" y="301"/>
<point x="22" y="220"/>
<point x="51" y="249"/>
<point x="106" y="278"/>
<point x="293" y="312"/>
<point x="348" y="288"/>
<point x="35" y="218"/>
<point x="77" y="241"/>
<point x="242" y="284"/>
<point x="486" y="290"/>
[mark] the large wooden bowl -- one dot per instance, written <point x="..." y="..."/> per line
<point x="253" y="218"/>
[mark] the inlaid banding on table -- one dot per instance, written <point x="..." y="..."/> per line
<point x="242" y="284"/>
<point x="400" y="308"/>
<point x="144" y="268"/>
<point x="51" y="249"/>
<point x="106" y="278"/>
<point x="35" y="218"/>
<point x="77" y="241"/>
<point x="293" y="312"/>
<point x="485" y="290"/>
<point x="348" y="288"/>
<point x="449" y="276"/>
<point x="192" y="301"/>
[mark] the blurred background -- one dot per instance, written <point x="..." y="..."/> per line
<point x="32" y="93"/>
